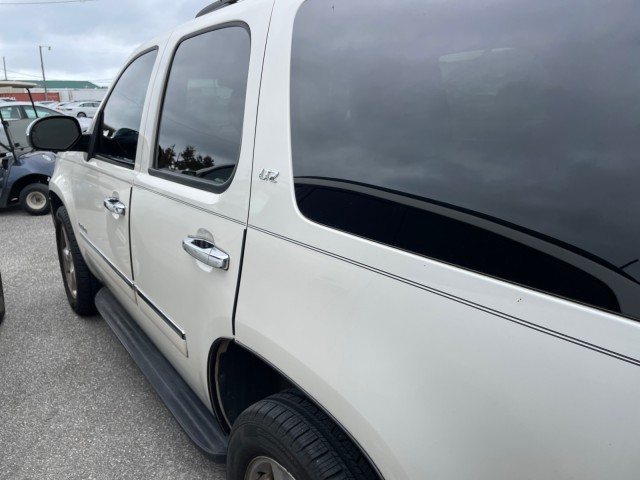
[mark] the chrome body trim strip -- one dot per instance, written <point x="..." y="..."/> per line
<point x="84" y="236"/>
<point x="504" y="316"/>
<point x="181" y="333"/>
<point x="176" y="329"/>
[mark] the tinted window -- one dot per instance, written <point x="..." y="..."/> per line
<point x="10" y="113"/>
<point x="41" y="112"/>
<point x="499" y="136"/>
<point x="118" y="137"/>
<point x="201" y="123"/>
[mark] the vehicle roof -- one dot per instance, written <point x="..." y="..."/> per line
<point x="16" y="84"/>
<point x="82" y="101"/>
<point x="13" y="104"/>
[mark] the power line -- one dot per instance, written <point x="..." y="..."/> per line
<point x="24" y="74"/>
<point x="46" y="3"/>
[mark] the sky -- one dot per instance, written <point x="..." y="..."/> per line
<point x="89" y="39"/>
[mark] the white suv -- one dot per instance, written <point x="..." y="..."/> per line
<point x="352" y="241"/>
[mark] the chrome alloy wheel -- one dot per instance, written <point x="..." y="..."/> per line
<point x="67" y="264"/>
<point x="265" y="468"/>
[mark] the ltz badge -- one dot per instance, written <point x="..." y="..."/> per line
<point x="268" y="175"/>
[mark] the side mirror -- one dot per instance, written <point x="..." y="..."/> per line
<point x="54" y="133"/>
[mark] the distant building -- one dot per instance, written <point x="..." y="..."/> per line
<point x="59" y="90"/>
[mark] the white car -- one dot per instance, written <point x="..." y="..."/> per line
<point x="393" y="241"/>
<point x="22" y="110"/>
<point x="81" y="109"/>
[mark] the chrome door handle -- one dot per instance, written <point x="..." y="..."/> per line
<point x="206" y="252"/>
<point x="114" y="206"/>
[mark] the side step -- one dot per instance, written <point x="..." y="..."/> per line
<point x="196" y="420"/>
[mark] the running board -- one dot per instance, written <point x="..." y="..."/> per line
<point x="196" y="420"/>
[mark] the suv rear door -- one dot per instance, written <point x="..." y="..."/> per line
<point x="195" y="192"/>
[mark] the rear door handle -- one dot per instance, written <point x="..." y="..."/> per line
<point x="206" y="252"/>
<point x="114" y="206"/>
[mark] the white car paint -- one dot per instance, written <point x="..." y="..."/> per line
<point x="86" y="109"/>
<point x="435" y="371"/>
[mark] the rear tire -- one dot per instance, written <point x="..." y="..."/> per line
<point x="285" y="436"/>
<point x="79" y="283"/>
<point x="34" y="199"/>
<point x="82" y="115"/>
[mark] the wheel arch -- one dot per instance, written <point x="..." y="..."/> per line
<point x="238" y="378"/>
<point x="56" y="202"/>
<point x="22" y="182"/>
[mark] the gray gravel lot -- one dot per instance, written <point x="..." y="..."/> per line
<point x="73" y="405"/>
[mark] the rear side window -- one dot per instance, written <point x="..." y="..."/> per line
<point x="10" y="113"/>
<point x="39" y="112"/>
<point x="502" y="137"/>
<point x="203" y="110"/>
<point x="122" y="115"/>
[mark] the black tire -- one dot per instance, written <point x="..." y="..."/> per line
<point x="79" y="283"/>
<point x="34" y="199"/>
<point x="288" y="431"/>
<point x="82" y="115"/>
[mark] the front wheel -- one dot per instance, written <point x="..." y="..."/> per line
<point x="34" y="199"/>
<point x="287" y="437"/>
<point x="79" y="283"/>
<point x="82" y="115"/>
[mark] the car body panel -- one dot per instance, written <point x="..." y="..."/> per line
<point x="434" y="370"/>
<point x="157" y="244"/>
<point x="106" y="234"/>
<point x="33" y="164"/>
<point x="81" y="108"/>
<point x="337" y="304"/>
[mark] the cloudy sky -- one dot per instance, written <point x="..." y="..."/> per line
<point x="89" y="39"/>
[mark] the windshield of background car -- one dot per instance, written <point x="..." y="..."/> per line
<point x="500" y="136"/>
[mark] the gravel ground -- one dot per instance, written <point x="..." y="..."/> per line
<point x="73" y="405"/>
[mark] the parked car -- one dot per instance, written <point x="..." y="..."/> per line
<point x="22" y="110"/>
<point x="424" y="260"/>
<point x="81" y="109"/>
<point x="24" y="174"/>
<point x="58" y="106"/>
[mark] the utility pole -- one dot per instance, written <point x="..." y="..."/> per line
<point x="5" y="67"/>
<point x="44" y="80"/>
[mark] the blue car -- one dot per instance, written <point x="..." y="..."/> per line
<point x="24" y="173"/>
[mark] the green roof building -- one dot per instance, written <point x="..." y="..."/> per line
<point x="65" y="84"/>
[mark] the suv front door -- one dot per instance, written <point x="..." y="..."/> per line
<point x="102" y="192"/>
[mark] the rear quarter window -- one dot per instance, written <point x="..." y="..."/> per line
<point x="502" y="137"/>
